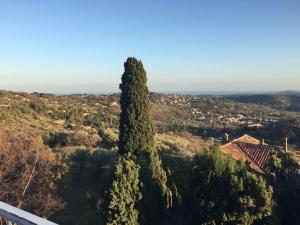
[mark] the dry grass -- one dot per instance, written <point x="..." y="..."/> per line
<point x="182" y="143"/>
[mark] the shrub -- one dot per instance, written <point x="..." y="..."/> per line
<point x="109" y="136"/>
<point x="54" y="139"/>
<point x="37" y="106"/>
<point x="224" y="191"/>
<point x="90" y="163"/>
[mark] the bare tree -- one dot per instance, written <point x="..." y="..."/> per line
<point x="29" y="171"/>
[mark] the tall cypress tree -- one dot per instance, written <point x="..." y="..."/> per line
<point x="136" y="129"/>
<point x="137" y="139"/>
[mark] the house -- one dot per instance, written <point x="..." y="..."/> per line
<point x="250" y="149"/>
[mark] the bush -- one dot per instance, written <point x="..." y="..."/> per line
<point x="109" y="136"/>
<point x="85" y="163"/>
<point x="37" y="106"/>
<point x="224" y="191"/>
<point x="54" y="139"/>
<point x="79" y="138"/>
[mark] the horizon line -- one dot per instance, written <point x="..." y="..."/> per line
<point x="217" y="92"/>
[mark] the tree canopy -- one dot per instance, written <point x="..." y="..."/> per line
<point x="225" y="191"/>
<point x="136" y="129"/>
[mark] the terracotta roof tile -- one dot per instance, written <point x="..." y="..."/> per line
<point x="249" y="149"/>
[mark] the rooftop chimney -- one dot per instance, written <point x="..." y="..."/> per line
<point x="262" y="141"/>
<point x="226" y="137"/>
<point x="286" y="144"/>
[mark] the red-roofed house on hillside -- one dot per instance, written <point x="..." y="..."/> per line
<point x="250" y="149"/>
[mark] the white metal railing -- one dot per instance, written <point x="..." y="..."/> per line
<point x="13" y="215"/>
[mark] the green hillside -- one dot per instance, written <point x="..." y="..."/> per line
<point x="288" y="101"/>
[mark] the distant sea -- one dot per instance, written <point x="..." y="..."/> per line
<point x="195" y="93"/>
<point x="164" y="92"/>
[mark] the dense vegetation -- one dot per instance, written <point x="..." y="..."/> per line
<point x="285" y="101"/>
<point x="225" y="191"/>
<point x="87" y="159"/>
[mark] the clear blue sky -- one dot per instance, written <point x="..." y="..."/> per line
<point x="201" y="45"/>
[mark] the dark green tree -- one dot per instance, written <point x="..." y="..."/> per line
<point x="137" y="139"/>
<point x="287" y="195"/>
<point x="287" y="186"/>
<point x="225" y="192"/>
<point x="124" y="194"/>
<point x="136" y="129"/>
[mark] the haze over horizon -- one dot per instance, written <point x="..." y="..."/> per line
<point x="65" y="46"/>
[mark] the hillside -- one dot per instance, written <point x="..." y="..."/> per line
<point x="93" y="119"/>
<point x="82" y="133"/>
<point x="289" y="101"/>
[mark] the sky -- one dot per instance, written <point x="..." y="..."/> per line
<point x="79" y="46"/>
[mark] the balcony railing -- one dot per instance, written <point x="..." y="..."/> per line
<point x="13" y="215"/>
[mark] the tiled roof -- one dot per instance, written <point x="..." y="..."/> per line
<point x="249" y="148"/>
